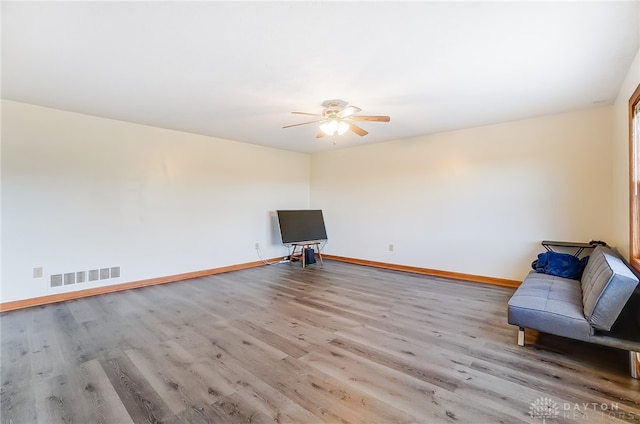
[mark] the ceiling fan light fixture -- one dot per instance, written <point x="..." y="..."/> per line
<point x="343" y="127"/>
<point x="334" y="126"/>
<point x="328" y="127"/>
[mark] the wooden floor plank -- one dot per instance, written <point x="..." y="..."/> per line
<point x="17" y="395"/>
<point x="143" y="404"/>
<point x="108" y="406"/>
<point x="413" y="395"/>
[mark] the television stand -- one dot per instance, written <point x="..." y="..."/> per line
<point x="303" y="246"/>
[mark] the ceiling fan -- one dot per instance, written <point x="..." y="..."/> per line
<point x="338" y="117"/>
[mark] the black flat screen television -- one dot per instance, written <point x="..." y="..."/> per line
<point x="299" y="226"/>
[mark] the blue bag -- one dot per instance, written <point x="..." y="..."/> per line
<point x="560" y="265"/>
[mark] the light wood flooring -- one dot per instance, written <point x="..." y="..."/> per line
<point x="333" y="343"/>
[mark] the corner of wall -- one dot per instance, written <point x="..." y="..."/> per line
<point x="620" y="129"/>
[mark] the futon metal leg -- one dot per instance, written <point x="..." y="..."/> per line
<point x="634" y="363"/>
<point x="520" y="336"/>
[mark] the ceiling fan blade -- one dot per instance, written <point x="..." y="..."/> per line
<point x="349" y="111"/>
<point x="371" y="118"/>
<point x="304" y="123"/>
<point x="306" y="113"/>
<point x="356" y="129"/>
<point x="320" y="134"/>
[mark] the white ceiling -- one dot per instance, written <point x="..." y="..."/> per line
<point x="235" y="70"/>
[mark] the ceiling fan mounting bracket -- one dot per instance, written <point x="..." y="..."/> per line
<point x="336" y="103"/>
<point x="332" y="108"/>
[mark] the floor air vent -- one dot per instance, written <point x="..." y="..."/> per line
<point x="115" y="272"/>
<point x="78" y="277"/>
<point x="56" y="280"/>
<point x="104" y="274"/>
<point x="93" y="275"/>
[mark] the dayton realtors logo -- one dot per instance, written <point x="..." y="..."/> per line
<point x="546" y="409"/>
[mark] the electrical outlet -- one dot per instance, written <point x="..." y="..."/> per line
<point x="37" y="272"/>
<point x="257" y="246"/>
<point x="391" y="248"/>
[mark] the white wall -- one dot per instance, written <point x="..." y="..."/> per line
<point x="81" y="192"/>
<point x="621" y="157"/>
<point x="476" y="201"/>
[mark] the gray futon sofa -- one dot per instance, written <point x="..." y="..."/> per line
<point x="589" y="309"/>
